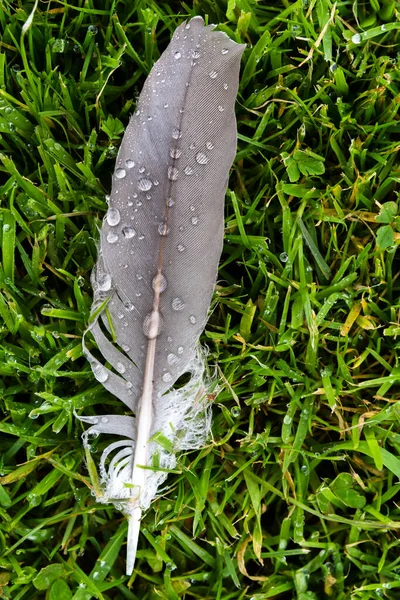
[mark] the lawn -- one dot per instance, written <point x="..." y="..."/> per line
<point x="296" y="496"/>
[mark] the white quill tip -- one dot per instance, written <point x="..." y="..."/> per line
<point x="133" y="536"/>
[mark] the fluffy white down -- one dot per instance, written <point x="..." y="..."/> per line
<point x="183" y="417"/>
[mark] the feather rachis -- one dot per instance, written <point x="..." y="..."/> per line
<point x="159" y="251"/>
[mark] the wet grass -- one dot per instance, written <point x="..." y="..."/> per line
<point x="297" y="494"/>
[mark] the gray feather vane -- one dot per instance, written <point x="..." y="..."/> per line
<point x="159" y="250"/>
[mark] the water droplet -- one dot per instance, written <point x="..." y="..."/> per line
<point x="224" y="51"/>
<point x="187" y="26"/>
<point x="120" y="368"/>
<point x="112" y="237"/>
<point x="107" y="198"/>
<point x="180" y="350"/>
<point x="6" y="227"/>
<point x="172" y="359"/>
<point x="129" y="384"/>
<point x="163" y="229"/>
<point x="192" y="319"/>
<point x="149" y="118"/>
<point x="173" y="173"/>
<point x="287" y="420"/>
<point x="152" y="324"/>
<point x="177" y="55"/>
<point x="113" y="217"/>
<point x="177" y="304"/>
<point x="383" y="27"/>
<point x="139" y="277"/>
<point x="130" y="163"/>
<point x="145" y="184"/>
<point x="333" y="67"/>
<point x="120" y="173"/>
<point x="104" y="282"/>
<point x="213" y="74"/>
<point x="195" y="220"/>
<point x="195" y="54"/>
<point x="159" y="280"/>
<point x="99" y="372"/>
<point x="170" y="202"/>
<point x="283" y="257"/>
<point x="128" y="304"/>
<point x="142" y="169"/>
<point x="356" y="39"/>
<point x="201" y="158"/>
<point x="176" y="133"/>
<point x="181" y="247"/>
<point x="235" y="411"/>
<point x="225" y="86"/>
<point x="167" y="377"/>
<point x="221" y="108"/>
<point x="128" y="232"/>
<point x="156" y="182"/>
<point x="209" y="145"/>
<point x="175" y="153"/>
<point x="166" y="105"/>
<point x="104" y="419"/>
<point x="188" y="170"/>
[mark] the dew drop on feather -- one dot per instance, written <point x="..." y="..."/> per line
<point x="172" y="359"/>
<point x="160" y="280"/>
<point x="173" y="173"/>
<point x="175" y="152"/>
<point x="201" y="158"/>
<point x="128" y="232"/>
<point x="145" y="184"/>
<point x="112" y="237"/>
<point x="177" y="304"/>
<point x="120" y="173"/>
<point x="104" y="282"/>
<point x="113" y="216"/>
<point x="99" y="372"/>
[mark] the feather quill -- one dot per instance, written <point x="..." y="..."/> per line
<point x="159" y="250"/>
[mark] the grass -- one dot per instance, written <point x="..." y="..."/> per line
<point x="297" y="494"/>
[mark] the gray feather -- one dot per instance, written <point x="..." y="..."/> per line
<point x="159" y="250"/>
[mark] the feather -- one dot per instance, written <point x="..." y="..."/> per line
<point x="160" y="245"/>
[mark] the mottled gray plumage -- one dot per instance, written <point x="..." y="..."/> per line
<point x="159" y="250"/>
